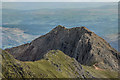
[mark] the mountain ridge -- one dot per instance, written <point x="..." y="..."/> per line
<point x="79" y="42"/>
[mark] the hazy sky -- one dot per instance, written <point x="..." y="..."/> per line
<point x="60" y="0"/>
<point x="53" y="5"/>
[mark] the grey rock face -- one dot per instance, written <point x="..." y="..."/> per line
<point x="79" y="42"/>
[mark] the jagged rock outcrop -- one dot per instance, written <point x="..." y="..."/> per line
<point x="79" y="42"/>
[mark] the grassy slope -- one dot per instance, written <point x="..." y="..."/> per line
<point x="12" y="68"/>
<point x="55" y="64"/>
<point x="100" y="73"/>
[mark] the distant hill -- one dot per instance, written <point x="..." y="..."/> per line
<point x="79" y="43"/>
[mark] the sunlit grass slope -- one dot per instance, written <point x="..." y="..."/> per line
<point x="55" y="64"/>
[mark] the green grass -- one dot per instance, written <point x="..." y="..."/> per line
<point x="55" y="64"/>
<point x="101" y="73"/>
<point x="12" y="68"/>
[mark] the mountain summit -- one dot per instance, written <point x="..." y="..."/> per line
<point x="78" y="42"/>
